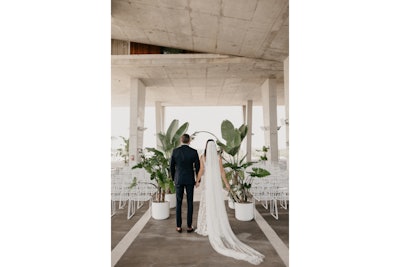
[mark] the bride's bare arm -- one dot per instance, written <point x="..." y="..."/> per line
<point x="223" y="175"/>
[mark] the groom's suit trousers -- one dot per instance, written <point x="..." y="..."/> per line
<point x="179" y="199"/>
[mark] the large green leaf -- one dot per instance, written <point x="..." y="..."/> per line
<point x="259" y="172"/>
<point x="163" y="140"/>
<point x="247" y="164"/>
<point x="232" y="150"/>
<point x="227" y="130"/>
<point x="234" y="139"/>
<point x="221" y="145"/>
<point x="243" y="131"/>
<point x="155" y="151"/>
<point x="179" y="133"/>
<point x="173" y="127"/>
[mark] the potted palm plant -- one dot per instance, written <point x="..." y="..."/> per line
<point x="156" y="163"/>
<point x="236" y="166"/>
<point x="169" y="141"/>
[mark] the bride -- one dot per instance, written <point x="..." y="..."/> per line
<point x="212" y="219"/>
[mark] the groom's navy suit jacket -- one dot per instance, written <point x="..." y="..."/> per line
<point x="184" y="161"/>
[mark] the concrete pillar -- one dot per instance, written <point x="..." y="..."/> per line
<point x="249" y="128"/>
<point x="137" y="103"/>
<point x="269" y="101"/>
<point x="244" y="114"/>
<point x="159" y="121"/>
<point x="286" y="83"/>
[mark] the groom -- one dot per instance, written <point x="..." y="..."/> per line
<point x="184" y="161"/>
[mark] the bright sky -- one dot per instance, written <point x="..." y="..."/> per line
<point x="200" y="119"/>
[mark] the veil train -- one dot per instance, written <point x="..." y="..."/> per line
<point x="220" y="234"/>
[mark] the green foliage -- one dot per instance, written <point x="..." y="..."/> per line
<point x="259" y="172"/>
<point x="156" y="162"/>
<point x="233" y="137"/>
<point x="264" y="151"/>
<point x="241" y="183"/>
<point x="134" y="182"/>
<point x="156" y="165"/>
<point x="171" y="139"/>
<point x="124" y="151"/>
<point x="170" y="186"/>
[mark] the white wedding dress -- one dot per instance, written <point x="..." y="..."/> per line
<point x="212" y="220"/>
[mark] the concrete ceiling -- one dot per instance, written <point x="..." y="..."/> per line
<point x="249" y="40"/>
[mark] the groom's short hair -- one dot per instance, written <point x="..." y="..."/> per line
<point x="185" y="139"/>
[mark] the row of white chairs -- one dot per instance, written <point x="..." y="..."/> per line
<point x="122" y="193"/>
<point x="272" y="189"/>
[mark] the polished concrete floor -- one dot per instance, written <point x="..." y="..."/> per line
<point x="156" y="243"/>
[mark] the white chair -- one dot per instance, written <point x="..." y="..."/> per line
<point x="265" y="191"/>
<point x="282" y="184"/>
<point x="141" y="192"/>
<point x="272" y="188"/>
<point x="120" y="183"/>
<point x="125" y="180"/>
<point x="116" y="190"/>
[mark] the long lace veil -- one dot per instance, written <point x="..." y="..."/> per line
<point x="220" y="234"/>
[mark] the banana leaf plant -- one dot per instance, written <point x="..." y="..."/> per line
<point x="236" y="165"/>
<point x="156" y="161"/>
<point x="156" y="165"/>
<point x="169" y="141"/>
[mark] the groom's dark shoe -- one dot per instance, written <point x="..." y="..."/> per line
<point x="179" y="229"/>
<point x="189" y="230"/>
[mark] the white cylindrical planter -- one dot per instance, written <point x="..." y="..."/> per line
<point x="160" y="210"/>
<point x="244" y="211"/>
<point x="171" y="198"/>
<point x="231" y="204"/>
